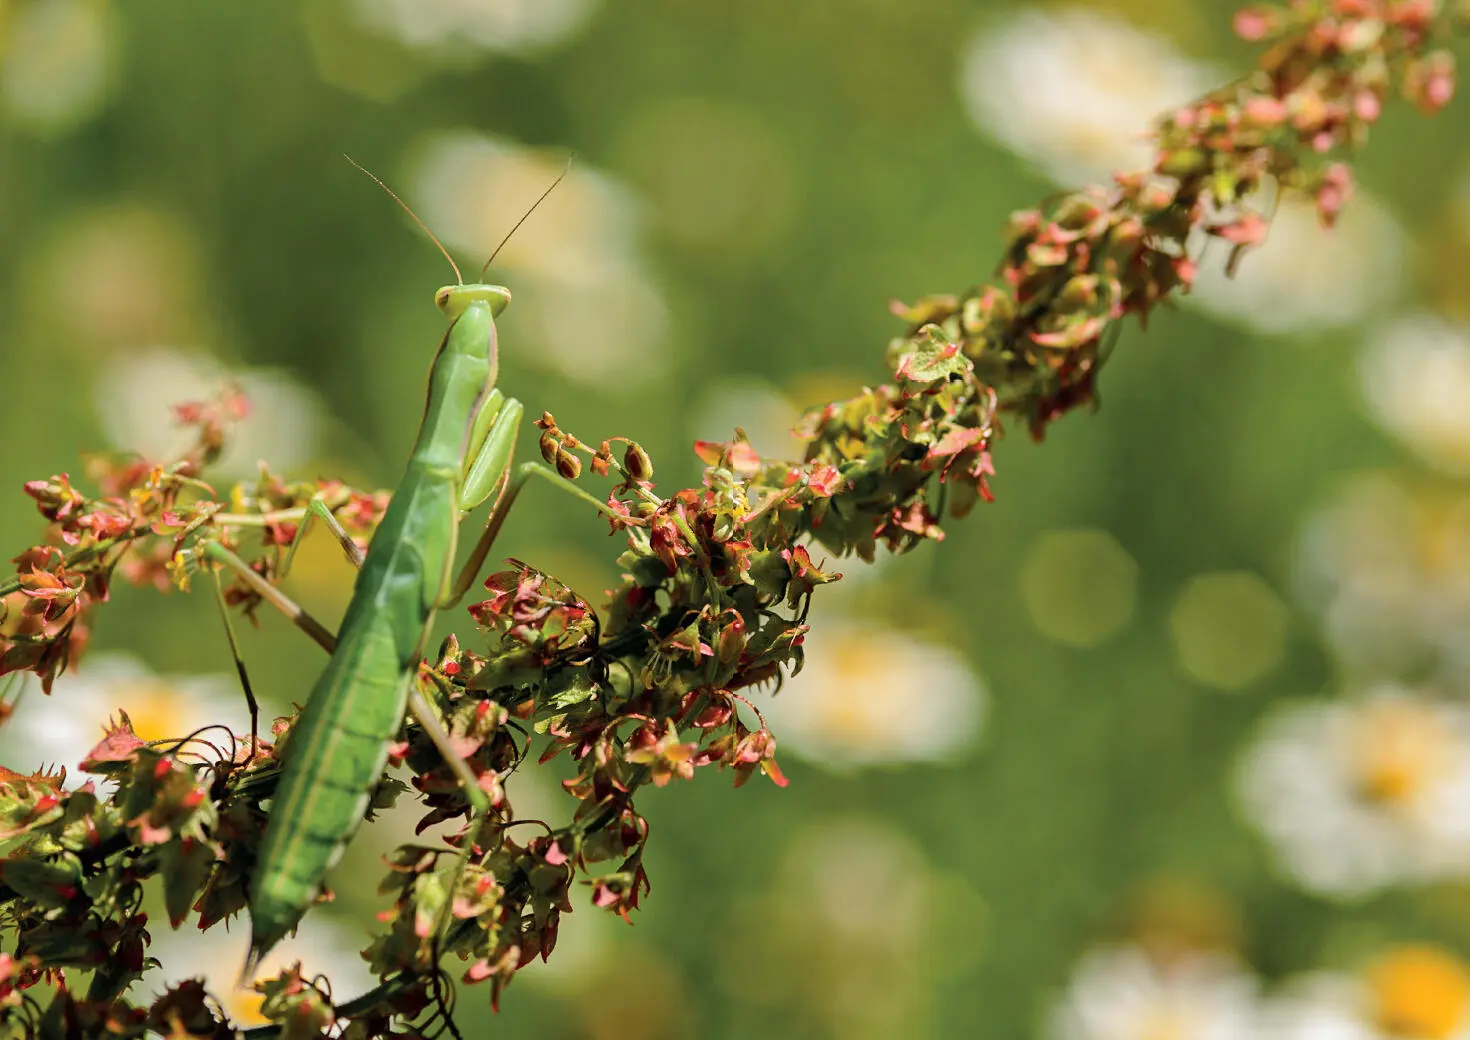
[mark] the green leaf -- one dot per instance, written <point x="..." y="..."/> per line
<point x="50" y="883"/>
<point x="185" y="868"/>
<point x="932" y="356"/>
<point x="580" y="690"/>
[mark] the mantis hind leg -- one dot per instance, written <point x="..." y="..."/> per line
<point x="419" y="705"/>
<point x="217" y="553"/>
<point x="316" y="509"/>
<point x="251" y="704"/>
<point x="223" y="557"/>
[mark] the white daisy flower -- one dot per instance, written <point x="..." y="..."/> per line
<point x="64" y="727"/>
<point x="496" y="26"/>
<point x="136" y="391"/>
<point x="1319" y="1007"/>
<point x="1388" y="569"/>
<point x="868" y="695"/>
<point x="474" y="187"/>
<point x="1416" y="381"/>
<point x="1123" y="994"/>
<point x="1074" y="89"/>
<point x="1305" y="277"/>
<point x="326" y="948"/>
<point x="1409" y="993"/>
<point x="1359" y="794"/>
<point x="574" y="268"/>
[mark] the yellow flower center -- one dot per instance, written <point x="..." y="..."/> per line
<point x="243" y="1006"/>
<point x="1420" y="993"/>
<point x="1399" y="747"/>
<point x="154" y="706"/>
<point x="1165" y="1024"/>
<point x="1442" y="523"/>
<point x="854" y="712"/>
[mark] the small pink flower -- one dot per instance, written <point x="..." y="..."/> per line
<point x="1255" y="23"/>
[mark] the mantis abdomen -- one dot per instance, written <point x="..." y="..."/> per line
<point x="336" y="751"/>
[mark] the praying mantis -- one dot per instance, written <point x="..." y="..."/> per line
<point x="339" y="745"/>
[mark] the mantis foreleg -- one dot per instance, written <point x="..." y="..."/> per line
<point x="510" y="486"/>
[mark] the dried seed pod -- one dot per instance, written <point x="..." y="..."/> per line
<point x="636" y="462"/>
<point x="568" y="465"/>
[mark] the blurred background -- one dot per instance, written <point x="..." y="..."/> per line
<point x="1170" y="741"/>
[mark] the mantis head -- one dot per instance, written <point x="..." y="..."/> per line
<point x="453" y="299"/>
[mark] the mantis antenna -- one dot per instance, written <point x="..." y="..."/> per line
<point x="528" y="212"/>
<point x="432" y="237"/>
<point x="458" y="277"/>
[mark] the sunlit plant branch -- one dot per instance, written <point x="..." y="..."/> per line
<point x="717" y="580"/>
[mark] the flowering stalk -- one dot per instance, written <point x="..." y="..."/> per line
<point x="717" y="580"/>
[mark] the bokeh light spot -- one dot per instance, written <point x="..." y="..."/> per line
<point x="868" y="695"/>
<point x="134" y="394"/>
<point x="138" y="267"/>
<point x="765" y="414"/>
<point x="1174" y="916"/>
<point x="573" y="266"/>
<point x="723" y="180"/>
<point x="1079" y="586"/>
<point x="1304" y="277"/>
<point x="1420" y="991"/>
<point x="356" y="58"/>
<point x="1229" y="629"/>
<point x="1416" y="382"/>
<point x="1071" y="88"/>
<point x="55" y="60"/>
<point x="852" y="930"/>
<point x="495" y="26"/>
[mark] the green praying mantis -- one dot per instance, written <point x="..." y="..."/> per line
<point x="337" y="750"/>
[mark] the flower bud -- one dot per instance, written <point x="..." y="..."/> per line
<point x="730" y="643"/>
<point x="637" y="464"/>
<point x="568" y="465"/>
